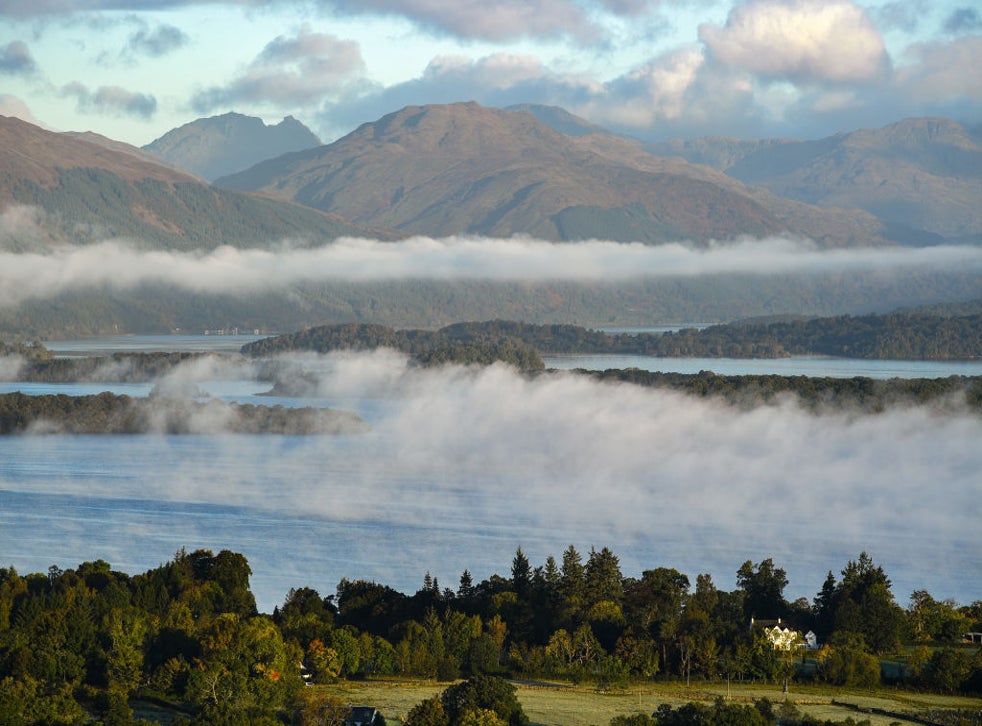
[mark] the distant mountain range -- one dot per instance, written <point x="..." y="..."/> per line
<point x="222" y="145"/>
<point x="922" y="177"/>
<point x="89" y="189"/>
<point x="465" y="169"/>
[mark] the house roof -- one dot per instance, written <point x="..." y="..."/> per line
<point x="361" y="716"/>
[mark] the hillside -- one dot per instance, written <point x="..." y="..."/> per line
<point x="464" y="169"/>
<point x="222" y="145"/>
<point x="922" y="176"/>
<point x="88" y="192"/>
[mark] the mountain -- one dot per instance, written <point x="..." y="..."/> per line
<point x="560" y="119"/>
<point x="113" y="145"/>
<point x="464" y="169"/>
<point x="921" y="176"/>
<point x="222" y="145"/>
<point x="86" y="192"/>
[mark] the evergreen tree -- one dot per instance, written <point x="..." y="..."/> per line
<point x="466" y="589"/>
<point x="604" y="581"/>
<point x="521" y="573"/>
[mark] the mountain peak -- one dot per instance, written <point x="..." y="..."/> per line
<point x="220" y="145"/>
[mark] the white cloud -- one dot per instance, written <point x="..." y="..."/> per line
<point x="291" y="70"/>
<point x="941" y="71"/>
<point x="229" y="270"/>
<point x="16" y="108"/>
<point x="496" y="20"/>
<point x="112" y="100"/>
<point x="802" y="41"/>
<point x="659" y="90"/>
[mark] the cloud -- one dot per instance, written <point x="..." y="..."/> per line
<point x="498" y="79"/>
<point x="496" y="20"/>
<point x="963" y="20"/>
<point x="776" y="67"/>
<point x="229" y="270"/>
<point x="111" y="100"/>
<point x="16" y="59"/>
<point x="10" y="367"/>
<point x="16" y="108"/>
<point x="801" y="41"/>
<point x="157" y="42"/>
<point x="289" y="71"/>
<point x="659" y="90"/>
<point x="905" y="15"/>
<point x="40" y="8"/>
<point x="937" y="72"/>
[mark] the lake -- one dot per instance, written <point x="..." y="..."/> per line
<point x="462" y="467"/>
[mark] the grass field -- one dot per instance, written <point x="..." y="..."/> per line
<point x="559" y="705"/>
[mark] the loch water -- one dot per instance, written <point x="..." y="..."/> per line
<point x="457" y="472"/>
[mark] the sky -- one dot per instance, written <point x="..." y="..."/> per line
<point x="656" y="69"/>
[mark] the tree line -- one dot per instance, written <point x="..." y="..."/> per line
<point x="85" y="641"/>
<point x="906" y="336"/>
<point x="818" y="394"/>
<point x="108" y="413"/>
<point x="40" y="365"/>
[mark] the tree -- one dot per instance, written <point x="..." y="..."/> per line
<point x="824" y="606"/>
<point x="763" y="586"/>
<point x="466" y="588"/>
<point x="864" y="606"/>
<point x="483" y="692"/>
<point x="481" y="717"/>
<point x="126" y="630"/>
<point x="604" y="581"/>
<point x="551" y="574"/>
<point x="848" y="665"/>
<point x="316" y="708"/>
<point x="573" y="585"/>
<point x="428" y="713"/>
<point x="654" y="605"/>
<point x="639" y="652"/>
<point x="521" y="573"/>
<point x="245" y="671"/>
<point x="947" y="670"/>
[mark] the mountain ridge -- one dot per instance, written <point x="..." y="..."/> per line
<point x="462" y="168"/>
<point x="83" y="192"/>
<point x="220" y="145"/>
<point x="924" y="174"/>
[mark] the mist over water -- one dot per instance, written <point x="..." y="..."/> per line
<point x="462" y="466"/>
<point x="120" y="265"/>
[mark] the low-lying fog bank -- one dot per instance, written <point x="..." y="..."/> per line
<point x="462" y="466"/>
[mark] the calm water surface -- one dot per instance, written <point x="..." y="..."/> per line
<point x="815" y="366"/>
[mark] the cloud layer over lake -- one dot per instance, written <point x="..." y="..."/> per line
<point x="228" y="270"/>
